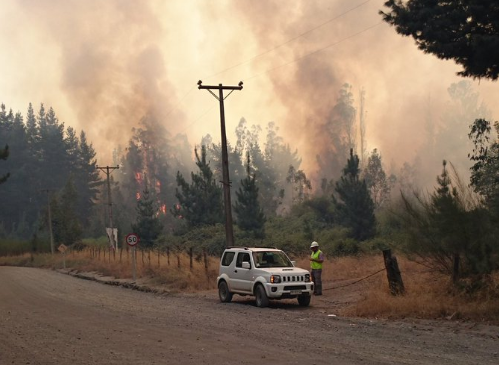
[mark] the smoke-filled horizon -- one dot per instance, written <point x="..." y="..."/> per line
<point x="103" y="65"/>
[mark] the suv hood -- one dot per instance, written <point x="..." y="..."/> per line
<point x="284" y="270"/>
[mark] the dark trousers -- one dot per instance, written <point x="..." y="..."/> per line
<point x="317" y="279"/>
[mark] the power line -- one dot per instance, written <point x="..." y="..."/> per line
<point x="355" y="282"/>
<point x="290" y="40"/>
<point x="314" y="52"/>
<point x="296" y="60"/>
<point x="180" y="101"/>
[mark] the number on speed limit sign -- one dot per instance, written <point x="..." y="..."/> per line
<point x="132" y="239"/>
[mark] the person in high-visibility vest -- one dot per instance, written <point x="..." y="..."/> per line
<point x="316" y="260"/>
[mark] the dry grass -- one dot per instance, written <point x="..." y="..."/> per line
<point x="174" y="273"/>
<point x="428" y="295"/>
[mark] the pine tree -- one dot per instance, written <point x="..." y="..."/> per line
<point x="6" y="121"/>
<point x="200" y="203"/>
<point x="147" y="226"/>
<point x="87" y="178"/>
<point x="53" y="151"/>
<point x="250" y="216"/>
<point x="485" y="169"/>
<point x="376" y="180"/>
<point x="4" y="153"/>
<point x="464" y="31"/>
<point x="236" y="168"/>
<point x="450" y="230"/>
<point x="355" y="208"/>
<point x="67" y="227"/>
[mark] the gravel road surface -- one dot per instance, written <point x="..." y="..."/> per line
<point x="47" y="317"/>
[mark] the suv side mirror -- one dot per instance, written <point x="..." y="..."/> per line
<point x="246" y="265"/>
<point x="293" y="263"/>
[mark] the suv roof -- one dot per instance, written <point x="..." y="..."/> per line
<point x="254" y="248"/>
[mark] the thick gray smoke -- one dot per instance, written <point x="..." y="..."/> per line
<point x="103" y="65"/>
<point x="111" y="68"/>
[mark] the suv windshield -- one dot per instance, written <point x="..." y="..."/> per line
<point x="271" y="259"/>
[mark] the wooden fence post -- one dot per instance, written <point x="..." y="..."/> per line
<point x="393" y="273"/>
<point x="205" y="259"/>
<point x="190" y="258"/>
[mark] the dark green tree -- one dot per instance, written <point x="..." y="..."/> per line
<point x="199" y="203"/>
<point x="354" y="207"/>
<point x="147" y="226"/>
<point x="66" y="225"/>
<point x="250" y="216"/>
<point x="450" y="230"/>
<point x="466" y="31"/>
<point x="4" y="153"/>
<point x="6" y="123"/>
<point x="54" y="159"/>
<point x="485" y="169"/>
<point x="87" y="179"/>
<point x="236" y="168"/>
<point x="376" y="180"/>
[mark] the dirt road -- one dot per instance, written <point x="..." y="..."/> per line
<point x="50" y="318"/>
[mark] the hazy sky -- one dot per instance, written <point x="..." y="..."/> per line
<point x="102" y="64"/>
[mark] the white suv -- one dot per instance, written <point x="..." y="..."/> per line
<point x="266" y="273"/>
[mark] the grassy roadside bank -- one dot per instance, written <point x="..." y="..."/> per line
<point x="429" y="295"/>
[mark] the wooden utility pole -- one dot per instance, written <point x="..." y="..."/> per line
<point x="107" y="170"/>
<point x="229" y="233"/>
<point x="52" y="248"/>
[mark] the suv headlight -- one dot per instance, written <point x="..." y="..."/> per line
<point x="274" y="279"/>
<point x="307" y="278"/>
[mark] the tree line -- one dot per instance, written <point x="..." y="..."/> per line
<point x="163" y="195"/>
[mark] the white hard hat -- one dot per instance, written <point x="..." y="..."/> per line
<point x="314" y="244"/>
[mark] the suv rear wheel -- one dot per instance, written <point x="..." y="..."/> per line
<point x="224" y="293"/>
<point x="261" y="297"/>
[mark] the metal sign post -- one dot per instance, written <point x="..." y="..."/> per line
<point x="132" y="240"/>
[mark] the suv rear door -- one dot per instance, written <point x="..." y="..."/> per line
<point x="241" y="278"/>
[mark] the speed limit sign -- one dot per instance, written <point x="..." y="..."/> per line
<point x="132" y="239"/>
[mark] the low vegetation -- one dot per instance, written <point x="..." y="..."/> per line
<point x="354" y="285"/>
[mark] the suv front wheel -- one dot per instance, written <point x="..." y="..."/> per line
<point x="261" y="296"/>
<point x="304" y="300"/>
<point x="224" y="293"/>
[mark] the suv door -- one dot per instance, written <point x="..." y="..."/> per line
<point x="241" y="278"/>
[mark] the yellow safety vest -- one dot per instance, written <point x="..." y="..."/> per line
<point x="313" y="264"/>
